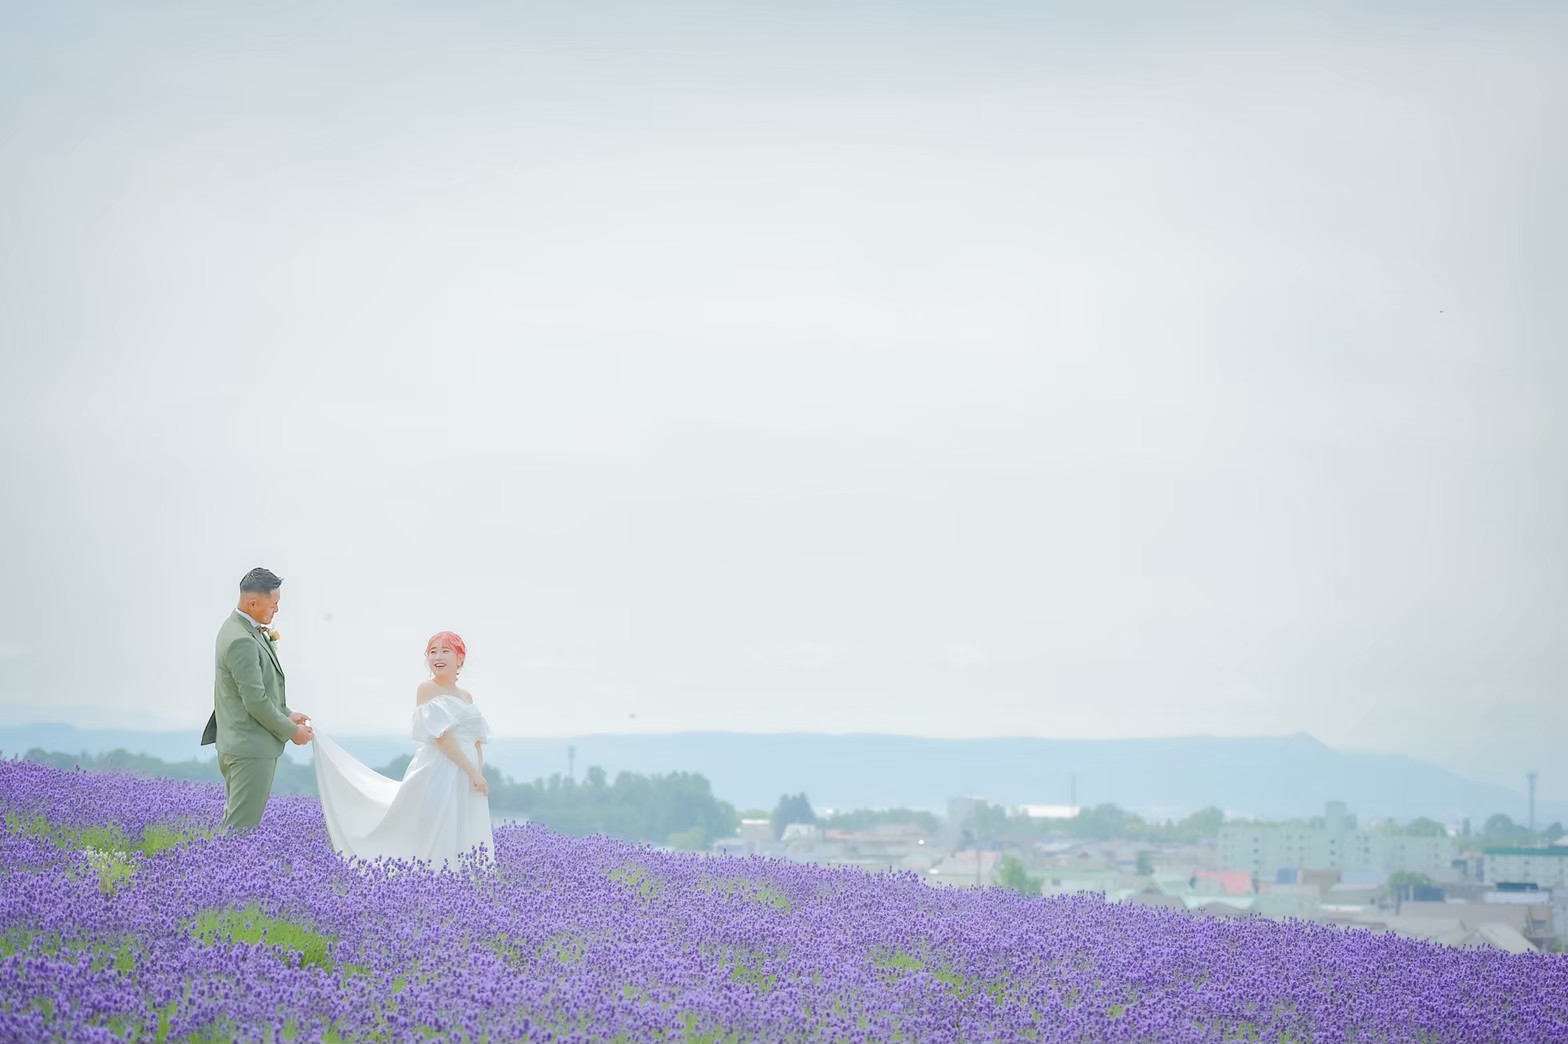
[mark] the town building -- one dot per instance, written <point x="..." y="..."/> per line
<point x="1334" y="843"/>
<point x="1060" y="812"/>
<point x="966" y="869"/>
<point x="1545" y="867"/>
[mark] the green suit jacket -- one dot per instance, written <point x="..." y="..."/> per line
<point x="250" y="717"/>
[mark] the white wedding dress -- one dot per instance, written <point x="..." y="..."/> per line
<point x="433" y="813"/>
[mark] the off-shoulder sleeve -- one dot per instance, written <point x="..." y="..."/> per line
<point x="431" y="720"/>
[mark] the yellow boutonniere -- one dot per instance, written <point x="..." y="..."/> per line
<point x="272" y="636"/>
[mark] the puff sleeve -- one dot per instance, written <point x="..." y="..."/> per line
<point x="431" y="721"/>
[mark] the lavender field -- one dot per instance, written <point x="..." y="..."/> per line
<point x="122" y="918"/>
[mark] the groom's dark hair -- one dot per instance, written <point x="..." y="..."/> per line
<point x="260" y="581"/>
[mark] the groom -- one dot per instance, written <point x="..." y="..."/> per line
<point x="250" y="720"/>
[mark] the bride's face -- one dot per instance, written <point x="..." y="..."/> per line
<point x="443" y="660"/>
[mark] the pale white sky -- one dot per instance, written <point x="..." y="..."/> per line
<point x="1001" y="370"/>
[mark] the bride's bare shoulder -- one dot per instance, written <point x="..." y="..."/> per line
<point x="426" y="692"/>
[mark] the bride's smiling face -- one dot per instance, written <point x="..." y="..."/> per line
<point x="443" y="660"/>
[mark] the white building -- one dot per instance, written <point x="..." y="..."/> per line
<point x="1047" y="811"/>
<point x="757" y="831"/>
<point x="1336" y="844"/>
<point x="1546" y="867"/>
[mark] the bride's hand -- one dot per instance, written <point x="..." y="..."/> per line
<point x="480" y="785"/>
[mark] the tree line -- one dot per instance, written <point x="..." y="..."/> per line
<point x="679" y="809"/>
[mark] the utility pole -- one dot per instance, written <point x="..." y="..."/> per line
<point x="1531" y="777"/>
<point x="571" y="758"/>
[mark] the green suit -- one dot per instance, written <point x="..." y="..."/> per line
<point x="250" y="719"/>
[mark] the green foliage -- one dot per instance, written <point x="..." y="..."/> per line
<point x="1107" y="821"/>
<point x="695" y="839"/>
<point x="1011" y="874"/>
<point x="692" y="1034"/>
<point x="865" y="818"/>
<point x="1501" y="830"/>
<point x="990" y="824"/>
<point x="1145" y="862"/>
<point x="676" y="808"/>
<point x="291" y="778"/>
<point x="109" y="851"/>
<point x="250" y="925"/>
<point x="745" y="965"/>
<point x="640" y="880"/>
<point x="993" y="823"/>
<point x="119" y="953"/>
<point x="563" y="947"/>
<point x="792" y="808"/>
<point x="566" y="947"/>
<point x="893" y="962"/>
<point x="752" y="891"/>
<point x="1202" y="825"/>
<point x="1421" y="826"/>
<point x="113" y="868"/>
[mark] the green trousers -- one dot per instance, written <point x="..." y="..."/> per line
<point x="247" y="782"/>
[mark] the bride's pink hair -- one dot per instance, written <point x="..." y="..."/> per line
<point x="451" y="639"/>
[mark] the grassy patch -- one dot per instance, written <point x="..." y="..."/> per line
<point x="691" y="1034"/>
<point x="648" y="885"/>
<point x="743" y="964"/>
<point x="112" y="866"/>
<point x="567" y="948"/>
<point x="752" y="891"/>
<point x="250" y="925"/>
<point x="961" y="985"/>
<point x="159" y="837"/>
<point x="110" y="851"/>
<point x="119" y="954"/>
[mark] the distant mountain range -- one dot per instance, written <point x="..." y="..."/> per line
<point x="1264" y="776"/>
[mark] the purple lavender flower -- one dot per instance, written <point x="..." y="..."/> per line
<point x="270" y="936"/>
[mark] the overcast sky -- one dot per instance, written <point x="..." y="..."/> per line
<point x="953" y="370"/>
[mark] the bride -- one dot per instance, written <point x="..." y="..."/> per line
<point x="441" y="807"/>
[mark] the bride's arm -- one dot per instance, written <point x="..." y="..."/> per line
<point x="449" y="746"/>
